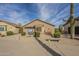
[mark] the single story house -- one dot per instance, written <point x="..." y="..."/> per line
<point x="8" y="26"/>
<point x="67" y="26"/>
<point x="43" y="27"/>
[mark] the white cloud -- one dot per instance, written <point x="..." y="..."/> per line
<point x="43" y="11"/>
<point x="19" y="17"/>
<point x="11" y="14"/>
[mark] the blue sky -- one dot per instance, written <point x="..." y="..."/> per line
<point x="23" y="13"/>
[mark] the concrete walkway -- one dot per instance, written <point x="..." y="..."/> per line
<point x="21" y="46"/>
<point x="65" y="46"/>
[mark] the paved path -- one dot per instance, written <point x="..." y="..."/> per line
<point x="25" y="46"/>
<point x="65" y="46"/>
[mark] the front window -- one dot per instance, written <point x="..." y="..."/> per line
<point x="2" y="28"/>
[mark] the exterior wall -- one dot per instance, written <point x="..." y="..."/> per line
<point x="77" y="23"/>
<point x="44" y="26"/>
<point x="66" y="26"/>
<point x="9" y="28"/>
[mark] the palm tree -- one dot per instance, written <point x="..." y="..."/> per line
<point x="72" y="21"/>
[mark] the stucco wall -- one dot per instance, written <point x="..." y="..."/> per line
<point x="9" y="28"/>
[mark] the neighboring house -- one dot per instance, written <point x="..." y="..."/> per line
<point x="67" y="27"/>
<point x="43" y="27"/>
<point x="7" y="26"/>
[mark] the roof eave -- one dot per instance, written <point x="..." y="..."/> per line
<point x="38" y="20"/>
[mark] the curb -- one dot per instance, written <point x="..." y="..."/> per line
<point x="51" y="51"/>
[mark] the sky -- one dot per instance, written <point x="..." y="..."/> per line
<point x="23" y="13"/>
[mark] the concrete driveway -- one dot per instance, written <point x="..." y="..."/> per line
<point x="17" y="45"/>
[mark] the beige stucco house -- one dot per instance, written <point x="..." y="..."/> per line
<point x="43" y="26"/>
<point x="8" y="26"/>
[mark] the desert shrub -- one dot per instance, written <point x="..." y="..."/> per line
<point x="36" y="34"/>
<point x="9" y="33"/>
<point x="23" y="33"/>
<point x="2" y="35"/>
<point x="57" y="33"/>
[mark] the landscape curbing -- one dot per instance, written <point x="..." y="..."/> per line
<point x="49" y="49"/>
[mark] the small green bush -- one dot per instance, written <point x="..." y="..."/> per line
<point x="23" y="33"/>
<point x="9" y="33"/>
<point x="57" y="33"/>
<point x="36" y="34"/>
